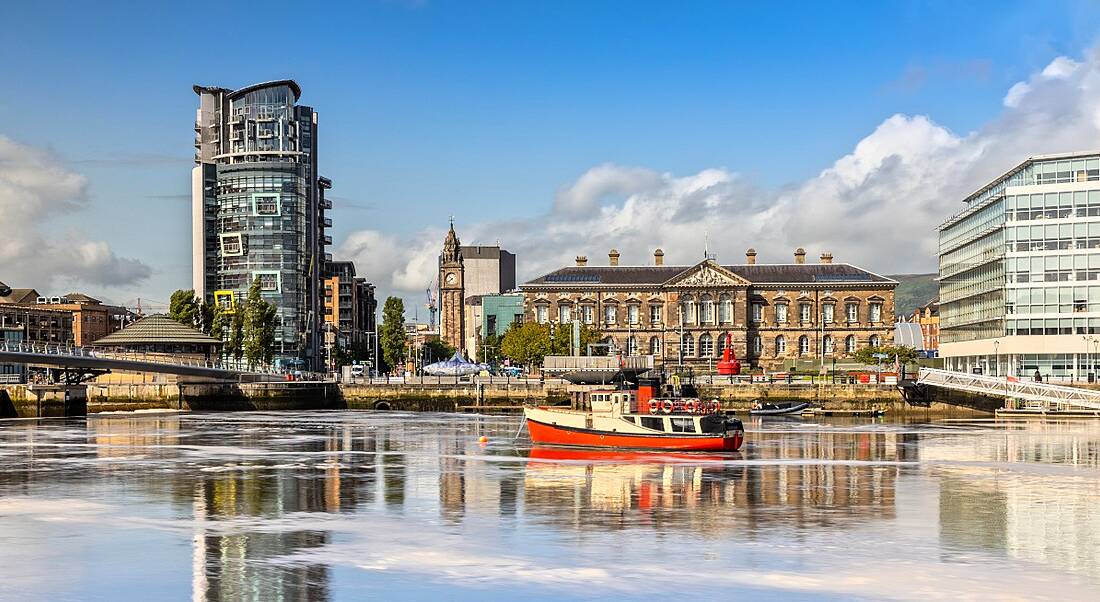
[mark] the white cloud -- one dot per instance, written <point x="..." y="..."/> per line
<point x="35" y="189"/>
<point x="877" y="207"/>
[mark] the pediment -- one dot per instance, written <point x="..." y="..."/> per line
<point x="706" y="275"/>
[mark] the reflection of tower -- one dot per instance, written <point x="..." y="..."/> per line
<point x="451" y="291"/>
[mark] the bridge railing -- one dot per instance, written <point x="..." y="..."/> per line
<point x="1011" y="387"/>
<point x="73" y="351"/>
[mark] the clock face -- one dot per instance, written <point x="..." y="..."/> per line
<point x="452" y="278"/>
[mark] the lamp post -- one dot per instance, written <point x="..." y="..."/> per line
<point x="997" y="355"/>
<point x="1088" y="365"/>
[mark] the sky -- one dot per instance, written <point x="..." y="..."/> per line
<point x="552" y="128"/>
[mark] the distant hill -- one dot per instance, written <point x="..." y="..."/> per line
<point x="913" y="291"/>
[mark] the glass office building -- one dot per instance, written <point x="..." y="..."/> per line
<point x="1019" y="272"/>
<point x="258" y="208"/>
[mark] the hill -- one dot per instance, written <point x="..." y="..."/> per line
<point x="913" y="291"/>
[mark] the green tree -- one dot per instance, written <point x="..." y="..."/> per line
<point x="185" y="308"/>
<point x="234" y="343"/>
<point x="527" y="343"/>
<point x="259" y="327"/>
<point x="562" y="341"/>
<point x="866" y="355"/>
<point x="392" y="333"/>
<point x="489" y="352"/>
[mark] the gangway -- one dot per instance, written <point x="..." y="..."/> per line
<point x="1058" y="396"/>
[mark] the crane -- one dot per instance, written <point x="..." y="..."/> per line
<point x="431" y="303"/>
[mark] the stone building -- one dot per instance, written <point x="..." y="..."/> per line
<point x="452" y="292"/>
<point x="773" y="315"/>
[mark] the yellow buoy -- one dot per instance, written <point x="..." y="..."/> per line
<point x="483" y="439"/>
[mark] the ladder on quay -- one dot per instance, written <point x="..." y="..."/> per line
<point x="1057" y="396"/>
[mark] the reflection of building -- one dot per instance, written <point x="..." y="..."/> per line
<point x="350" y="307"/>
<point x="1020" y="271"/>
<point x="775" y="314"/>
<point x="258" y="206"/>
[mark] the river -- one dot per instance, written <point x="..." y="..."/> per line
<point x="392" y="506"/>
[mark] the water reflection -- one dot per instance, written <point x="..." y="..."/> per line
<point x="274" y="505"/>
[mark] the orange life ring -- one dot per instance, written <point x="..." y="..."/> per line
<point x="715" y="406"/>
<point x="653" y="406"/>
<point x="692" y="406"/>
<point x="666" y="406"/>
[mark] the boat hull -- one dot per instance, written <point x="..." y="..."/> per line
<point x="551" y="434"/>
<point x="794" y="409"/>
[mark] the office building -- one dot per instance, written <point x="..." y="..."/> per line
<point x="349" y="309"/>
<point x="1020" y="272"/>
<point x="258" y="208"/>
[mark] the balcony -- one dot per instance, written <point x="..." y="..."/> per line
<point x="326" y="204"/>
<point x="327" y="222"/>
<point x="326" y="240"/>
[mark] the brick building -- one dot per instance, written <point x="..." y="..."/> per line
<point x="928" y="316"/>
<point x="90" y="319"/>
<point x="773" y="314"/>
<point x="350" y="307"/>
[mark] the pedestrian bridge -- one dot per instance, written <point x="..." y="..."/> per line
<point x="1057" y="397"/>
<point x="89" y="361"/>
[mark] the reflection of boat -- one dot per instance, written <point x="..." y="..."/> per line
<point x="872" y="412"/>
<point x="617" y="455"/>
<point x="640" y="417"/>
<point x="778" y="409"/>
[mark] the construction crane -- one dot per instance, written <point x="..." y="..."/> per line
<point x="432" y="304"/>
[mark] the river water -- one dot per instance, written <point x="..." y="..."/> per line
<point x="392" y="506"/>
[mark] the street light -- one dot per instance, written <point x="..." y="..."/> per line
<point x="1088" y="365"/>
<point x="997" y="355"/>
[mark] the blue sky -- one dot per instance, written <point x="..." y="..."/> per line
<point x="487" y="111"/>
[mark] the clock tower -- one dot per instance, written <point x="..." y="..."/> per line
<point x="452" y="289"/>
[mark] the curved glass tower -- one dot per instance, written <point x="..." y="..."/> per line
<point x="258" y="208"/>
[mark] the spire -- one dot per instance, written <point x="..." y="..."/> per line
<point x="451" y="252"/>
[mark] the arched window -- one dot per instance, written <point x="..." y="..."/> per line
<point x="723" y="342"/>
<point x="828" y="341"/>
<point x="803" y="345"/>
<point x="707" y="306"/>
<point x="655" y="346"/>
<point x="875" y="340"/>
<point x="780" y="345"/>
<point x="850" y="344"/>
<point x="757" y="345"/>
<point x="687" y="345"/>
<point x="632" y="346"/>
<point x="687" y="310"/>
<point x="706" y="345"/>
<point x="725" y="309"/>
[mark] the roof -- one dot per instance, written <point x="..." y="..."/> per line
<point x="21" y="295"/>
<point x="794" y="273"/>
<point x="293" y="85"/>
<point x="82" y="298"/>
<point x="157" y="329"/>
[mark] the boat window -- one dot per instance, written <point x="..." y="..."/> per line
<point x="653" y="422"/>
<point x="683" y="425"/>
<point x="629" y="419"/>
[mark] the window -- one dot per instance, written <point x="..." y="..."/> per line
<point x="706" y="346"/>
<point x="850" y="344"/>
<point x="632" y="346"/>
<point x="687" y="345"/>
<point x="655" y="346"/>
<point x="828" y="342"/>
<point x="654" y="314"/>
<point x="804" y="314"/>
<point x="653" y="422"/>
<point x="851" y="310"/>
<point x="803" y="345"/>
<point x="827" y="313"/>
<point x="876" y="312"/>
<point x="683" y="425"/>
<point x="565" y="314"/>
<point x="632" y="314"/>
<point x="232" y="245"/>
<point x="875" y="340"/>
<point x="542" y="314"/>
<point x="491" y="326"/>
<point x="757" y="312"/>
<point x="781" y="313"/>
<point x="687" y="310"/>
<point x="609" y="314"/>
<point x="725" y="309"/>
<point x="265" y="204"/>
<point x="757" y="345"/>
<point x="780" y="345"/>
<point x="723" y="342"/>
<point x="269" y="281"/>
<point x="589" y="312"/>
<point x="707" y="306"/>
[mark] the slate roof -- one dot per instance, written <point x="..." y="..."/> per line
<point x="804" y="273"/>
<point x="157" y="329"/>
<point x="21" y="295"/>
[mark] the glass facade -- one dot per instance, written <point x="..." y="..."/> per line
<point x="1023" y="259"/>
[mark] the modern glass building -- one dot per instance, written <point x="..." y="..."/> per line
<point x="1019" y="272"/>
<point x="258" y="208"/>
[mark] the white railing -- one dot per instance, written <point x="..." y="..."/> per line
<point x="1011" y="387"/>
<point x="72" y="351"/>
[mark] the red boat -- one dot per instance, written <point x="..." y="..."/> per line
<point x="650" y="416"/>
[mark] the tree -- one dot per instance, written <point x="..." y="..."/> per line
<point x="392" y="333"/>
<point x="866" y="355"/>
<point x="234" y="344"/>
<point x="436" y="350"/>
<point x="489" y="352"/>
<point x="259" y="327"/>
<point x="184" y="308"/>
<point x="562" y="341"/>
<point x="527" y="343"/>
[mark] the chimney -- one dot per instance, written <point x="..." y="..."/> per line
<point x="582" y="260"/>
<point x="750" y="257"/>
<point x="800" y="255"/>
<point x="613" y="257"/>
<point x="826" y="258"/>
<point x="658" y="257"/>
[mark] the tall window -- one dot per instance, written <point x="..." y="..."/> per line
<point x="687" y="345"/>
<point x="850" y="344"/>
<point x="655" y="346"/>
<point x="757" y="312"/>
<point x="827" y="313"/>
<point x="565" y="314"/>
<point x="803" y="345"/>
<point x="725" y="309"/>
<point x="589" y="312"/>
<point x="723" y="342"/>
<point x="780" y="345"/>
<point x="632" y="346"/>
<point x="804" y="313"/>
<point x="687" y="310"/>
<point x="609" y="314"/>
<point x="707" y="306"/>
<point x="876" y="312"/>
<point x="875" y="340"/>
<point x="828" y="343"/>
<point x="542" y="314"/>
<point x="781" y="313"/>
<point x="654" y="314"/>
<point x="851" y="311"/>
<point x="706" y="346"/>
<point x="757" y="345"/>
<point x="632" y="314"/>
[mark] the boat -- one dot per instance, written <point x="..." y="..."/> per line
<point x="655" y="414"/>
<point x="778" y="409"/>
<point x="871" y="412"/>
